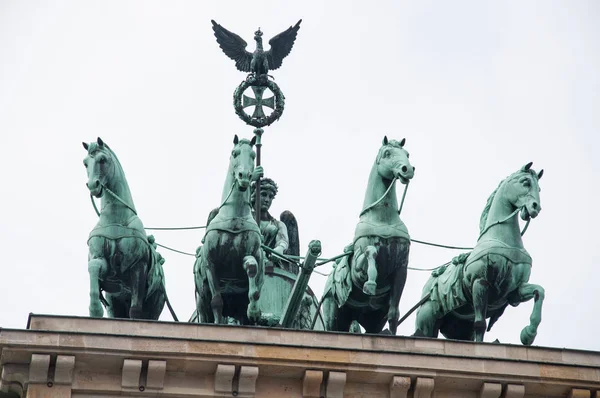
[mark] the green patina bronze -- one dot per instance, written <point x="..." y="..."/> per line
<point x="258" y="102"/>
<point x="458" y="298"/>
<point x="280" y="235"/>
<point x="122" y="262"/>
<point x="229" y="269"/>
<point x="366" y="286"/>
<point x="260" y="61"/>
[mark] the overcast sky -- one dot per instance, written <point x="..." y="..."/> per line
<point x="477" y="89"/>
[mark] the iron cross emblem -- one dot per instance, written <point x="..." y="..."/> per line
<point x="258" y="102"/>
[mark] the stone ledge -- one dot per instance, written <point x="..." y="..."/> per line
<point x="312" y="339"/>
<point x="156" y="358"/>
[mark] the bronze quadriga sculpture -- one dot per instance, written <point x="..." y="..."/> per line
<point x="458" y="298"/>
<point x="122" y="262"/>
<point x="229" y="269"/>
<point x="367" y="285"/>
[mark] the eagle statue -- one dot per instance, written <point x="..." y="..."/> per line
<point x="259" y="62"/>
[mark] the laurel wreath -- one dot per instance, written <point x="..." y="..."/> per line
<point x="261" y="121"/>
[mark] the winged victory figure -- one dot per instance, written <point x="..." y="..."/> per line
<point x="260" y="62"/>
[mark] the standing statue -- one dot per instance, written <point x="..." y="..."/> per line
<point x="479" y="285"/>
<point x="229" y="269"/>
<point x="122" y="261"/>
<point x="366" y="286"/>
<point x="280" y="235"/>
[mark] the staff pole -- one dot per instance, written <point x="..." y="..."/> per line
<point x="258" y="133"/>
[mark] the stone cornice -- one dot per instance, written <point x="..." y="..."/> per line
<point x="163" y="350"/>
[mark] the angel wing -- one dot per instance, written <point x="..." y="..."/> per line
<point x="287" y="217"/>
<point x="281" y="45"/>
<point x="234" y="47"/>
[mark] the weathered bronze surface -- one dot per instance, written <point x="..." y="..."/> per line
<point x="229" y="269"/>
<point x="280" y="235"/>
<point x="122" y="262"/>
<point x="366" y="286"/>
<point x="481" y="284"/>
<point x="259" y="62"/>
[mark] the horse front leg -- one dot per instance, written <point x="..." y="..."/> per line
<point x="252" y="270"/>
<point x="480" y="303"/>
<point x="138" y="290"/>
<point x="398" y="281"/>
<point x="370" y="285"/>
<point x="526" y="292"/>
<point x="97" y="268"/>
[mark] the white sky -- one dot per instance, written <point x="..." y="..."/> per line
<point x="477" y="88"/>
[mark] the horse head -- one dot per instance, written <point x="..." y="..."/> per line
<point x="523" y="191"/>
<point x="100" y="166"/>
<point x="242" y="162"/>
<point x="392" y="161"/>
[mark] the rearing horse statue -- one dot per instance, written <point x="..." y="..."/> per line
<point x="229" y="269"/>
<point x="122" y="260"/>
<point x="367" y="286"/>
<point x="458" y="298"/>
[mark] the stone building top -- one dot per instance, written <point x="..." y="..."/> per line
<point x="84" y="357"/>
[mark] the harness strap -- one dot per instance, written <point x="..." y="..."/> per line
<point x="119" y="199"/>
<point x="503" y="221"/>
<point x="366" y="209"/>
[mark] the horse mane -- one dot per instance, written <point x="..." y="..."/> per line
<point x="488" y="205"/>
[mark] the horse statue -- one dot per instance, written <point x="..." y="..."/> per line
<point x="122" y="260"/>
<point x="366" y="285"/>
<point x="458" y="298"/>
<point x="229" y="267"/>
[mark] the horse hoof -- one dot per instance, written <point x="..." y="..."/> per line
<point x="253" y="313"/>
<point x="96" y="310"/>
<point x="369" y="288"/>
<point x="528" y="335"/>
<point x="253" y="316"/>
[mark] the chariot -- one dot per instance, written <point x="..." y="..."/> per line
<point x="248" y="268"/>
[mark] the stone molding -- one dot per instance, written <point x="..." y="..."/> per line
<point x="335" y="384"/>
<point x="423" y="387"/>
<point x="514" y="391"/>
<point x="156" y="374"/>
<point x="247" y="381"/>
<point x="399" y="387"/>
<point x="108" y="357"/>
<point x="63" y="372"/>
<point x="224" y="378"/>
<point x="130" y="375"/>
<point x="311" y="384"/>
<point x="578" y="393"/>
<point x="38" y="369"/>
<point x="490" y="390"/>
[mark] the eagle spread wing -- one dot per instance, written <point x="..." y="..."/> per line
<point x="281" y="45"/>
<point x="235" y="47"/>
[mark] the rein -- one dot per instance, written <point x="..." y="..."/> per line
<point x="114" y="195"/>
<point x="229" y="194"/>
<point x="505" y="220"/>
<point x="151" y="247"/>
<point x="366" y="209"/>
